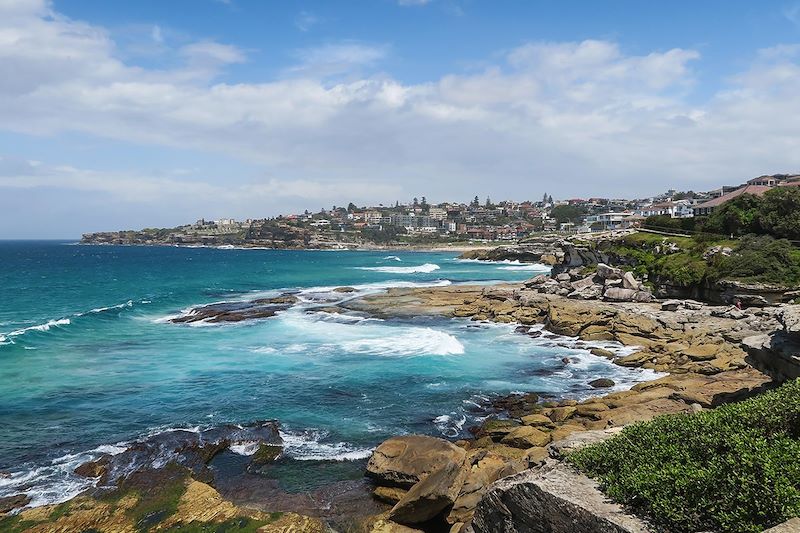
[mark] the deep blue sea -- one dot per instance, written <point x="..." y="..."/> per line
<point x="89" y="360"/>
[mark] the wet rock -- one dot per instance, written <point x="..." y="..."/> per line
<point x="9" y="503"/>
<point x="97" y="468"/>
<point x="601" y="383"/>
<point x="404" y="461"/>
<point x="190" y="449"/>
<point x="432" y="495"/>
<point x="345" y="289"/>
<point x="517" y="405"/>
<point x="236" y="311"/>
<point x="602" y="352"/>
<point x="496" y="429"/>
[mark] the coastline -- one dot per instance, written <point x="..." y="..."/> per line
<point x="699" y="352"/>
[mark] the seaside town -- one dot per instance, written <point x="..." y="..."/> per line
<point x="420" y="222"/>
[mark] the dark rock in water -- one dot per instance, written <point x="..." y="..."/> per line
<point x="190" y="449"/>
<point x="344" y="289"/>
<point x="9" y="503"/>
<point x="266" y="454"/>
<point x="566" y="360"/>
<point x="601" y="383"/>
<point x="517" y="405"/>
<point x="283" y="299"/>
<point x="237" y="311"/>
<point x="535" y="334"/>
<point x="96" y="468"/>
<point x="522" y="329"/>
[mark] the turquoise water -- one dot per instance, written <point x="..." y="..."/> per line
<point x="88" y="358"/>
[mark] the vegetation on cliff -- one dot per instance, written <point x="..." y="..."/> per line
<point x="688" y="261"/>
<point x="736" y="468"/>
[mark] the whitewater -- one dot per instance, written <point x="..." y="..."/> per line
<point x="91" y="361"/>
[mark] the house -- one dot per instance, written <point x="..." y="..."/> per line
<point x="706" y="208"/>
<point x="766" y="181"/>
<point x="607" y="221"/>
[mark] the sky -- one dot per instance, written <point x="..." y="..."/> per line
<point x="155" y="113"/>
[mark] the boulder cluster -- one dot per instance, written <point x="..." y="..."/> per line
<point x="606" y="283"/>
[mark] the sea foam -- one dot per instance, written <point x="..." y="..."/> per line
<point x="427" y="268"/>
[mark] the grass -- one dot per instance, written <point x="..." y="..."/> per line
<point x="736" y="468"/>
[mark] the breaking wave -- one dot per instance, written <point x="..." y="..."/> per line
<point x="427" y="268"/>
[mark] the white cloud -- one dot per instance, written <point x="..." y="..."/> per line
<point x="570" y="118"/>
<point x="306" y="20"/>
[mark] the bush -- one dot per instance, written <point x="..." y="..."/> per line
<point x="681" y="268"/>
<point x="665" y="222"/>
<point x="736" y="468"/>
<point x="759" y="258"/>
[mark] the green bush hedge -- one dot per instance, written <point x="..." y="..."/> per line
<point x="736" y="468"/>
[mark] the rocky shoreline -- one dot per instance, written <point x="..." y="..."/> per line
<point x="510" y="472"/>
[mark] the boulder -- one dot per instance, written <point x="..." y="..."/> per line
<point x="580" y="439"/>
<point x="526" y="437"/>
<point x="617" y="294"/>
<point x="583" y="283"/>
<point x="602" y="352"/>
<point x="629" y="281"/>
<point x="403" y="461"/>
<point x="484" y="471"/>
<point x="790" y="526"/>
<point x="431" y="496"/>
<point x="537" y="420"/>
<point x="390" y="495"/>
<point x="608" y="272"/>
<point x="563" y="277"/>
<point x="553" y="499"/>
<point x="671" y="305"/>
<point x="789" y="318"/>
<point x="387" y="526"/>
<point x="537" y="280"/>
<point x="601" y="383"/>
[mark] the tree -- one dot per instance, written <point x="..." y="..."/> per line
<point x="738" y="216"/>
<point x="351" y="207"/>
<point x="567" y="213"/>
<point x="550" y="199"/>
<point x="780" y="212"/>
<point x="488" y="203"/>
<point x="476" y="202"/>
<point x="415" y="202"/>
<point x="544" y="198"/>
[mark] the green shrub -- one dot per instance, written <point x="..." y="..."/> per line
<point x="736" y="468"/>
<point x="761" y="259"/>
<point x="682" y="268"/>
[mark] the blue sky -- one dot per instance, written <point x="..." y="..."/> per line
<point x="130" y="114"/>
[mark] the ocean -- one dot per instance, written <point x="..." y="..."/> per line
<point x="90" y="361"/>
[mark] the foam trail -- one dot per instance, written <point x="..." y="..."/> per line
<point x="419" y="269"/>
<point x="392" y="258"/>
<point x="307" y="447"/>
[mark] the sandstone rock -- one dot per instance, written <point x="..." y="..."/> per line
<point x="496" y="429"/>
<point x="562" y="277"/>
<point x="559" y="414"/>
<point x="482" y="473"/>
<point x="526" y="437"/>
<point x="387" y="526"/>
<point x="601" y="383"/>
<point x="583" y="283"/>
<point x="404" y="461"/>
<point x="554" y="499"/>
<point x="537" y="420"/>
<point x="629" y="281"/>
<point x="607" y="272"/>
<point x="789" y="318"/>
<point x="616" y="294"/>
<point x="790" y="526"/>
<point x="390" y="495"/>
<point x="602" y="352"/>
<point x="430" y="496"/>
<point x="580" y="439"/>
<point x="671" y="305"/>
<point x="562" y="432"/>
<point x="702" y="352"/>
<point x="590" y="409"/>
